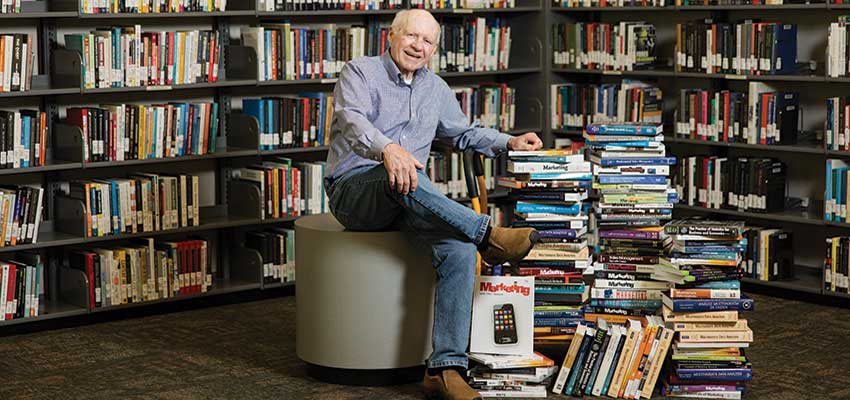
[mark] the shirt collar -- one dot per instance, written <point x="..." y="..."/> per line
<point x="392" y="69"/>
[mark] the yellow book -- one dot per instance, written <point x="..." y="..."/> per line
<point x="569" y="359"/>
<point x="143" y="123"/>
<point x="654" y="367"/>
<point x="633" y="337"/>
<point x="181" y="47"/>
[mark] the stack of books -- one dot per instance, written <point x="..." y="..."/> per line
<point x="620" y="361"/>
<point x="708" y="358"/>
<point x="550" y="188"/>
<point x="634" y="201"/>
<point x="511" y="375"/>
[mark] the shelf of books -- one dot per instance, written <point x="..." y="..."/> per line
<point x="219" y="109"/>
<point x="757" y="128"/>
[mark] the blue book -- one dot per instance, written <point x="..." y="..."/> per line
<point x="633" y="179"/>
<point x="558" y="322"/>
<point x="700" y="305"/>
<point x="615" y="162"/>
<point x="578" y="365"/>
<point x="607" y="385"/>
<point x="523" y="207"/>
<point x="720" y="285"/>
<point x="25" y="138"/>
<point x="720" y="374"/>
<point x="627" y="304"/>
<point x="595" y="369"/>
<point x="117" y="222"/>
<point x="566" y="176"/>
<point x="624" y="129"/>
<point x="642" y="143"/>
<point x="558" y="314"/>
<point x="255" y="108"/>
<point x="785" y="49"/>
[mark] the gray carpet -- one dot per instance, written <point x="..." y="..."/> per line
<point x="247" y="351"/>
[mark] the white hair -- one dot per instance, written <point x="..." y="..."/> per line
<point x="402" y="17"/>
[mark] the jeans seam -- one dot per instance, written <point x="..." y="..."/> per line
<point x="442" y="216"/>
<point x="482" y="230"/>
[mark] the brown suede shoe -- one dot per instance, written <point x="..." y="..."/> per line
<point x="448" y="385"/>
<point x="508" y="244"/>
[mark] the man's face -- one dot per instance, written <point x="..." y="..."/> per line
<point x="414" y="44"/>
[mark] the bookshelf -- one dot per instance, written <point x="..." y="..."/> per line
<point x="224" y="217"/>
<point x="805" y="161"/>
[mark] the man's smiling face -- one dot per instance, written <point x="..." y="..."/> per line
<point x="414" y="43"/>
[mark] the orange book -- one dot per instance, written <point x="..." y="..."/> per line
<point x="2" y="62"/>
<point x="651" y="345"/>
<point x="713" y="47"/>
<point x="645" y="342"/>
<point x="678" y="45"/>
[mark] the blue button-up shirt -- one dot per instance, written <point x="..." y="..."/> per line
<point x="374" y="106"/>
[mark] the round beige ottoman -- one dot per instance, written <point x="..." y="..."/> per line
<point x="364" y="304"/>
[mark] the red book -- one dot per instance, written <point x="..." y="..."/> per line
<point x="296" y="190"/>
<point x="765" y="103"/>
<point x="704" y="114"/>
<point x="726" y="121"/>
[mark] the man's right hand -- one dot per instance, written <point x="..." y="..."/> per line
<point x="401" y="168"/>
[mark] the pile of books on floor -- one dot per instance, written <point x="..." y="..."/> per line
<point x="630" y="171"/>
<point x="550" y="188"/>
<point x="708" y="358"/>
<point x="620" y="361"/>
<point x="511" y="375"/>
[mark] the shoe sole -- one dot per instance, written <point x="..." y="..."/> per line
<point x="533" y="238"/>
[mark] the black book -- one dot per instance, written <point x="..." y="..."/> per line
<point x="16" y="62"/>
<point x="593" y="356"/>
<point x="98" y="285"/>
<point x="259" y="241"/>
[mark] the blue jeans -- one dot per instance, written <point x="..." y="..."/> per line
<point x="361" y="199"/>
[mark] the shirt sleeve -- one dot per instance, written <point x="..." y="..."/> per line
<point x="453" y="125"/>
<point x="352" y="103"/>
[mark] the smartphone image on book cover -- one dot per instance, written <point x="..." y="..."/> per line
<point x="504" y="324"/>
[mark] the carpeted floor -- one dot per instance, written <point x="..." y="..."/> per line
<point x="247" y="351"/>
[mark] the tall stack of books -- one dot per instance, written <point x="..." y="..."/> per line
<point x="634" y="200"/>
<point x="511" y="375"/>
<point x="708" y="357"/>
<point x="550" y="188"/>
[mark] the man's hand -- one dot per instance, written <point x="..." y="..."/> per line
<point x="526" y="141"/>
<point x="401" y="168"/>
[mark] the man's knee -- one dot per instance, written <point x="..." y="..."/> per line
<point x="459" y="253"/>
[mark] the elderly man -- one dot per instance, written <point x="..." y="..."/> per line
<point x="387" y="111"/>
